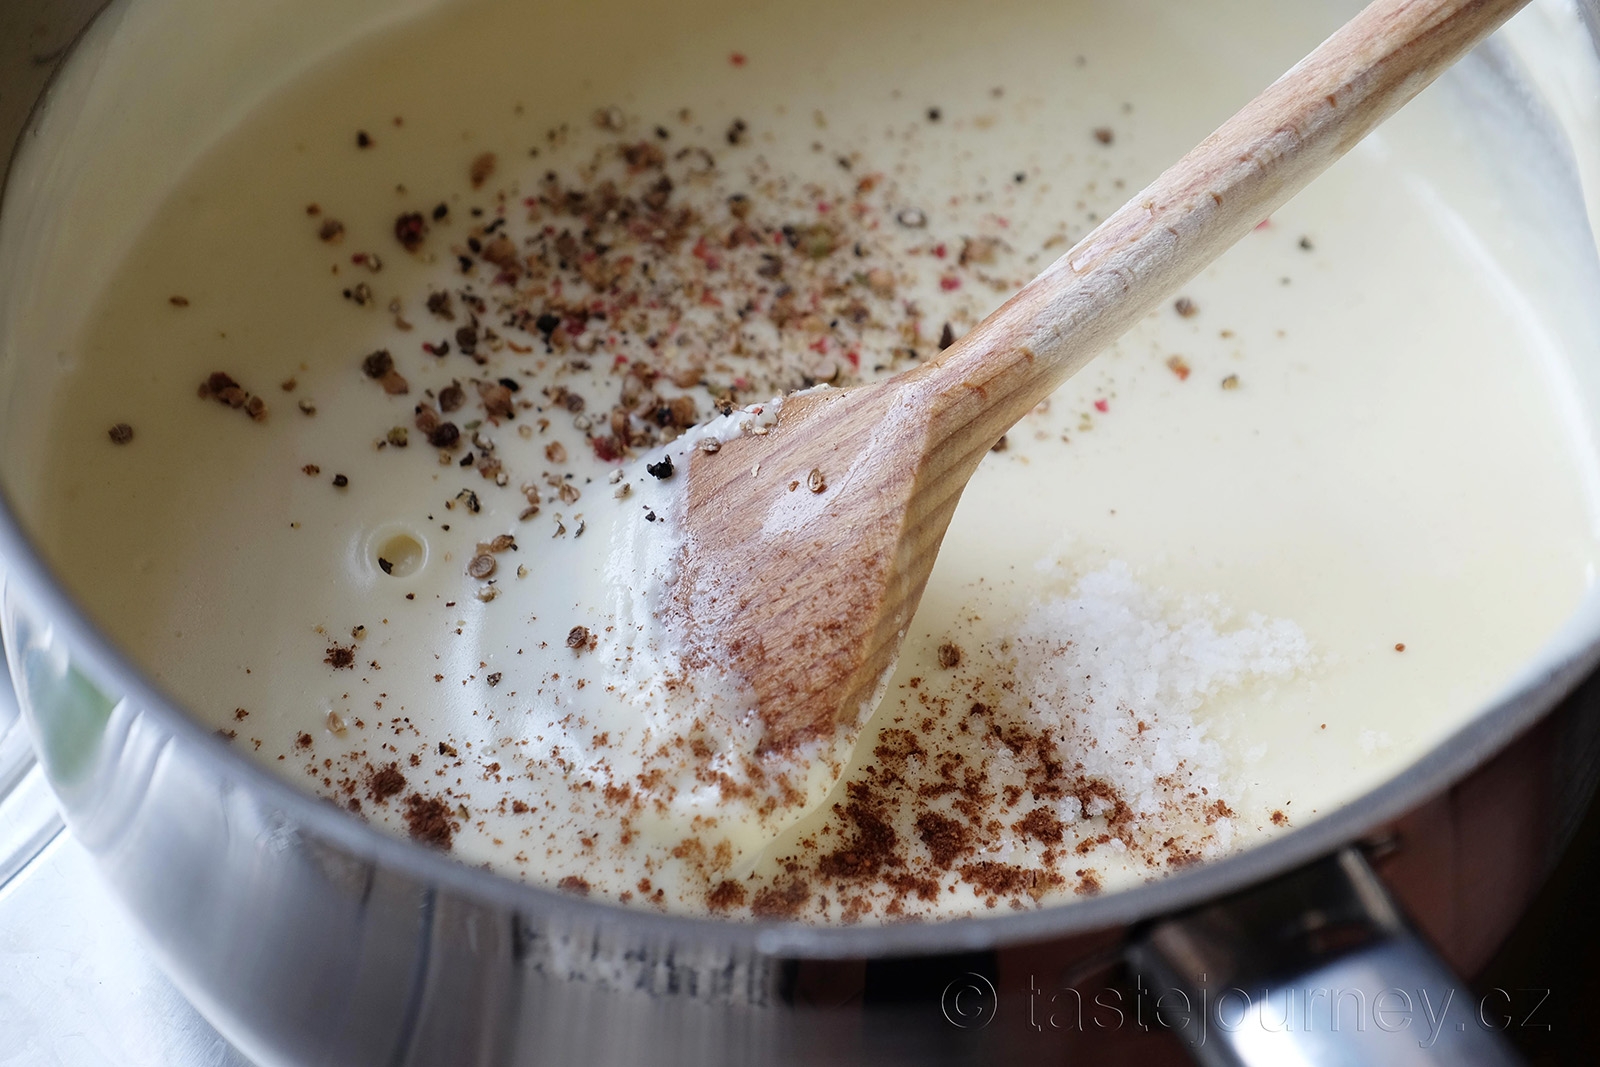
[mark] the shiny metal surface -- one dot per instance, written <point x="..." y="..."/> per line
<point x="1316" y="968"/>
<point x="310" y="938"/>
<point x="29" y="818"/>
<point x="78" y="988"/>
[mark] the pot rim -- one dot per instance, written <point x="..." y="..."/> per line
<point x="1558" y="667"/>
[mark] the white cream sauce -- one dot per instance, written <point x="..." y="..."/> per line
<point x="1367" y="448"/>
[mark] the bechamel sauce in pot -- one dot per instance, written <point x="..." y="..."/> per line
<point x="1278" y="542"/>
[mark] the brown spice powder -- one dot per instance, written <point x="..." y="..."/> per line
<point x="430" y="820"/>
<point x="781" y="901"/>
<point x="385" y="783"/>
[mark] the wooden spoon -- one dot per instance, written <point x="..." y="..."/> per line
<point x="808" y="548"/>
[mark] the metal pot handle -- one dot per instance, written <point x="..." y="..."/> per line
<point x="1316" y="968"/>
<point x="29" y="818"/>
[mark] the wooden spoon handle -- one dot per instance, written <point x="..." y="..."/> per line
<point x="1200" y="206"/>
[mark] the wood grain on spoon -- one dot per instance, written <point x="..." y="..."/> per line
<point x="808" y="548"/>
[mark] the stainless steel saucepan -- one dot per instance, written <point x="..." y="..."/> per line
<point x="308" y="937"/>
